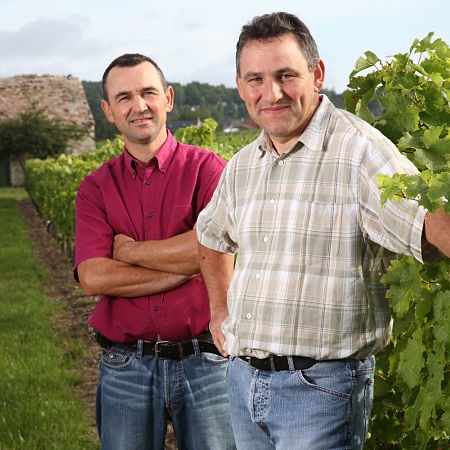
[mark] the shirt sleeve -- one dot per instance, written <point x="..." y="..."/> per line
<point x="209" y="180"/>
<point x="396" y="226"/>
<point x="215" y="225"/>
<point x="93" y="234"/>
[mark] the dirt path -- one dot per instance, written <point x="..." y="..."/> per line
<point x="60" y="286"/>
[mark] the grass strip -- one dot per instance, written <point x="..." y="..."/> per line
<point x="39" y="405"/>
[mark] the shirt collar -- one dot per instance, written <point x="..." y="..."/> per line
<point x="162" y="158"/>
<point x="315" y="132"/>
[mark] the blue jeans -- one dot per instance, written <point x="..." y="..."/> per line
<point x="136" y="395"/>
<point x="324" y="407"/>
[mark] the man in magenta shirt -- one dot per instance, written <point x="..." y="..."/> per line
<point x="136" y="247"/>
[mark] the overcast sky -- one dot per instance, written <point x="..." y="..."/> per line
<point x="194" y="40"/>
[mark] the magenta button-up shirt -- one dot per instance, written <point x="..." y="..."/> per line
<point x="154" y="202"/>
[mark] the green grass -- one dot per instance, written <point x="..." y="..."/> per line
<point x="39" y="405"/>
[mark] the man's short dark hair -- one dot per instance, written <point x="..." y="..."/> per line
<point x="130" y="60"/>
<point x="274" y="25"/>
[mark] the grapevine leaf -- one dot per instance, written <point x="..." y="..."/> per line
<point x="446" y="414"/>
<point x="439" y="188"/>
<point x="391" y="187"/>
<point x="423" y="307"/>
<point x="434" y="161"/>
<point x="441" y="327"/>
<point x="365" y="63"/>
<point x="411" y="360"/>
<point x="409" y="141"/>
<point x="415" y="187"/>
<point x="403" y="278"/>
<point x="413" y="412"/>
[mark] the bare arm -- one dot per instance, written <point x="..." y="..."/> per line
<point x="177" y="255"/>
<point x="437" y="230"/>
<point x="110" y="277"/>
<point x="217" y="271"/>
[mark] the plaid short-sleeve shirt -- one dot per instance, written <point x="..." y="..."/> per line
<point x="309" y="231"/>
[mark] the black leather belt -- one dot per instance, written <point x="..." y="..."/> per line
<point x="275" y="363"/>
<point x="163" y="349"/>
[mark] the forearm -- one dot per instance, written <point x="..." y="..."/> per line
<point x="110" y="277"/>
<point x="217" y="271"/>
<point x="177" y="255"/>
<point x="437" y="230"/>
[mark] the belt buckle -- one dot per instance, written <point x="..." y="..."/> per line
<point x="161" y="345"/>
<point x="267" y="364"/>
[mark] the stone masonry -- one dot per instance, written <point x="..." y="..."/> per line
<point x="58" y="96"/>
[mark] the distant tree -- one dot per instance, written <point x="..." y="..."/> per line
<point x="34" y="134"/>
<point x="103" y="129"/>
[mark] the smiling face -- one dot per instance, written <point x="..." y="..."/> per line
<point x="138" y="105"/>
<point x="280" y="91"/>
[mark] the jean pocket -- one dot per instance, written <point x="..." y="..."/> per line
<point x="328" y="378"/>
<point x="212" y="358"/>
<point x="115" y="358"/>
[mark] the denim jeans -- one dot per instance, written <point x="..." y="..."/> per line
<point x="136" y="395"/>
<point x="324" y="407"/>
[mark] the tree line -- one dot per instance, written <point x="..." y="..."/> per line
<point x="194" y="102"/>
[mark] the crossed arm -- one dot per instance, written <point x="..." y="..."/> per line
<point x="141" y="268"/>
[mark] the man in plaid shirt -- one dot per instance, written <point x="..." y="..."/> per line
<point x="303" y="312"/>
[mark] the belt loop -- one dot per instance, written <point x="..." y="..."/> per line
<point x="290" y="361"/>
<point x="196" y="347"/>
<point x="272" y="363"/>
<point x="139" y="348"/>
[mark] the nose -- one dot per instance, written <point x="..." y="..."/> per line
<point x="139" y="104"/>
<point x="272" y="91"/>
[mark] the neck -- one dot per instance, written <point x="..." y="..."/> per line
<point x="145" y="151"/>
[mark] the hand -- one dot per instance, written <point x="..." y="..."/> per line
<point x="122" y="247"/>
<point x="215" y="327"/>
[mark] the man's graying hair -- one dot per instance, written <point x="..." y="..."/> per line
<point x="130" y="60"/>
<point x="273" y="25"/>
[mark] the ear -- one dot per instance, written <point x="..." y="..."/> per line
<point x="319" y="76"/>
<point x="170" y="95"/>
<point x="107" y="111"/>
<point x="239" y="86"/>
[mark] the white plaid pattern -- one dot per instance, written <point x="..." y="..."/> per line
<point x="307" y="227"/>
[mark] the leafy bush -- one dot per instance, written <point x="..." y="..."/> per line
<point x="35" y="134"/>
<point x="412" y="387"/>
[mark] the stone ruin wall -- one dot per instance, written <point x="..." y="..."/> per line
<point x="58" y="96"/>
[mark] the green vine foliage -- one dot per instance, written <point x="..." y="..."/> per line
<point x="53" y="183"/>
<point x="412" y="402"/>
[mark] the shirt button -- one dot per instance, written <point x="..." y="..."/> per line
<point x="265" y="239"/>
<point x="258" y="276"/>
<point x="272" y="201"/>
<point x="147" y="182"/>
<point x="150" y="214"/>
<point x="155" y="308"/>
<point x="280" y="163"/>
<point x="248" y="316"/>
